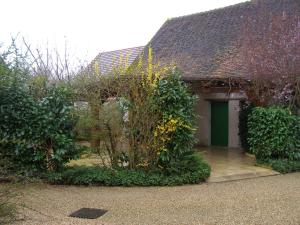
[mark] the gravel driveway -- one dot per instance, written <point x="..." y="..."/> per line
<point x="266" y="200"/>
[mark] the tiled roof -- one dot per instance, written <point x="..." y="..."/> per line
<point x="208" y="44"/>
<point x="105" y="61"/>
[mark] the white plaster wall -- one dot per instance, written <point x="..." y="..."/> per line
<point x="203" y="121"/>
<point x="233" y="123"/>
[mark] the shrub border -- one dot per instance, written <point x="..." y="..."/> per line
<point x="101" y="176"/>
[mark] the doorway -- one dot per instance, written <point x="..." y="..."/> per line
<point x="219" y="123"/>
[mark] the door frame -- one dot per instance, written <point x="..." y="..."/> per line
<point x="227" y="122"/>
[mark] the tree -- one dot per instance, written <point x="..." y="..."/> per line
<point x="271" y="55"/>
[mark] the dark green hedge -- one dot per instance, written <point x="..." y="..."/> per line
<point x="274" y="134"/>
<point x="129" y="177"/>
<point x="109" y="177"/>
<point x="282" y="165"/>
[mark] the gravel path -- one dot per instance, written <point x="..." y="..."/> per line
<point x="266" y="200"/>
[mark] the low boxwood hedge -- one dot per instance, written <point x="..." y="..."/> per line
<point x="282" y="165"/>
<point x="82" y="175"/>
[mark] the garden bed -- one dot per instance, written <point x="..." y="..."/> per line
<point x="81" y="175"/>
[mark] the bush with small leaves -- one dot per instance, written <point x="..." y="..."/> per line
<point x="36" y="134"/>
<point x="199" y="171"/>
<point x="274" y="134"/>
<point x="175" y="131"/>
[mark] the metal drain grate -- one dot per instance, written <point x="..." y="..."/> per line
<point x="88" y="213"/>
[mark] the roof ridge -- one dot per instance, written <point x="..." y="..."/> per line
<point x="247" y="2"/>
<point x="118" y="50"/>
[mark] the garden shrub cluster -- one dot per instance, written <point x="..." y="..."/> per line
<point x="155" y="117"/>
<point x="36" y="133"/>
<point x="192" y="174"/>
<point x="274" y="137"/>
<point x="141" y="116"/>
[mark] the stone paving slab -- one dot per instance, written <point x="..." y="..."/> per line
<point x="229" y="164"/>
<point x="224" y="178"/>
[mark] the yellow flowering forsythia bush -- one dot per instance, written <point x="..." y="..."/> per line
<point x="165" y="131"/>
<point x="159" y="110"/>
<point x="157" y="126"/>
<point x="143" y="114"/>
<point x="175" y="131"/>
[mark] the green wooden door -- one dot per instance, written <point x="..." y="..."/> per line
<point x="219" y="123"/>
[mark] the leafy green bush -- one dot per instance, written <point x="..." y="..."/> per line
<point x="188" y="162"/>
<point x="35" y="134"/>
<point x="175" y="132"/>
<point x="198" y="172"/>
<point x="274" y="134"/>
<point x="282" y="165"/>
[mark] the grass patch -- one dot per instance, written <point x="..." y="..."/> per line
<point x="86" y="160"/>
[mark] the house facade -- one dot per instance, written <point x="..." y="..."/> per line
<point x="208" y="49"/>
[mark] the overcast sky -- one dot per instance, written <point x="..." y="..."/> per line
<point x="92" y="26"/>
